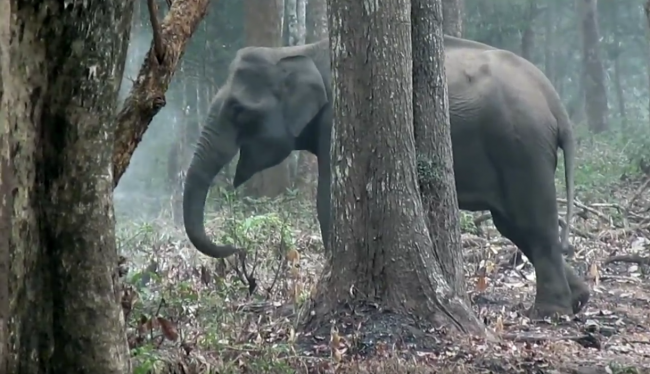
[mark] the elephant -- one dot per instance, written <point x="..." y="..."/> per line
<point x="507" y="123"/>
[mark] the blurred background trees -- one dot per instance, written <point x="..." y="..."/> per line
<point x="595" y="53"/>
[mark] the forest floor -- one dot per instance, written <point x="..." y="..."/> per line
<point x="194" y="317"/>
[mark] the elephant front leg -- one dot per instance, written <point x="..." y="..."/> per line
<point x="554" y="292"/>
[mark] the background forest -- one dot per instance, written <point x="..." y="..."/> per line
<point x="597" y="56"/>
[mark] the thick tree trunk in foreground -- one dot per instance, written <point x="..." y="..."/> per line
<point x="433" y="141"/>
<point x="6" y="197"/>
<point x="453" y="17"/>
<point x="592" y="67"/>
<point x="382" y="251"/>
<point x="263" y="28"/>
<point x="63" y="282"/>
<point x="147" y="95"/>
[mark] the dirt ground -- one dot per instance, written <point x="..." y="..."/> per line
<point x="611" y="335"/>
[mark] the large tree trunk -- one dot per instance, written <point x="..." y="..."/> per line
<point x="381" y="247"/>
<point x="6" y="196"/>
<point x="63" y="279"/>
<point x="263" y="27"/>
<point x="592" y="67"/>
<point x="453" y="17"/>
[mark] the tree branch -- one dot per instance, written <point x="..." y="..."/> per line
<point x="147" y="95"/>
<point x="159" y="48"/>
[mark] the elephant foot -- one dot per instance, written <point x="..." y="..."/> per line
<point x="579" y="290"/>
<point x="568" y="250"/>
<point x="547" y="310"/>
<point x="555" y="297"/>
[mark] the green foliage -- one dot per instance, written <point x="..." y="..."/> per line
<point x="252" y="232"/>
<point x="467" y="224"/>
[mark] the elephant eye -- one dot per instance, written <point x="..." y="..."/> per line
<point x="236" y="109"/>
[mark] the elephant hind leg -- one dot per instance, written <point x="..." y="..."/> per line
<point x="559" y="290"/>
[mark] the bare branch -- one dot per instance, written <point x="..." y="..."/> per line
<point x="159" y="48"/>
<point x="147" y="95"/>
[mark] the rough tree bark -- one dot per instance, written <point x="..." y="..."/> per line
<point x="453" y="17"/>
<point x="433" y="141"/>
<point x="593" y="72"/>
<point x="263" y="27"/>
<point x="147" y="95"/>
<point x="6" y="196"/>
<point x="61" y="72"/>
<point x="381" y="248"/>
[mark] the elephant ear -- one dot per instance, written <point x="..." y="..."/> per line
<point x="304" y="92"/>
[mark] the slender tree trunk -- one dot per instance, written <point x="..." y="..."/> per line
<point x="615" y="58"/>
<point x="290" y="23"/>
<point x="453" y="17"/>
<point x="263" y="27"/>
<point x="381" y="248"/>
<point x="63" y="279"/>
<point x="528" y="34"/>
<point x="593" y="71"/>
<point x="433" y="141"/>
<point x="147" y="94"/>
<point x="316" y="20"/>
<point x="549" y="42"/>
<point x="620" y="94"/>
<point x="301" y="13"/>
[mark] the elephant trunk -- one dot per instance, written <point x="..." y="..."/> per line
<point x="212" y="153"/>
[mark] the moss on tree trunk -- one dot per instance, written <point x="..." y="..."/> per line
<point x="61" y="75"/>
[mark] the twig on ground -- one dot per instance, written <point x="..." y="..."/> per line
<point x="638" y="194"/>
<point x="582" y="206"/>
<point x="586" y="340"/>
<point x="633" y="259"/>
<point x="579" y="232"/>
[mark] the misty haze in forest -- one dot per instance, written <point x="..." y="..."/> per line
<point x="548" y="33"/>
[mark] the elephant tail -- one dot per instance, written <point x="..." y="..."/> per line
<point x="568" y="145"/>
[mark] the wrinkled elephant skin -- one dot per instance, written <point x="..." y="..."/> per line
<point x="507" y="123"/>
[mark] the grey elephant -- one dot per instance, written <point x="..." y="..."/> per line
<point x="507" y="122"/>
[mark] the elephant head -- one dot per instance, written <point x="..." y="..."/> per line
<point x="267" y="101"/>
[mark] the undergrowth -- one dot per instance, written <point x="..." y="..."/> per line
<point x="227" y="317"/>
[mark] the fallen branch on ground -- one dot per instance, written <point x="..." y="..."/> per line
<point x="586" y="340"/>
<point x="633" y="259"/>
